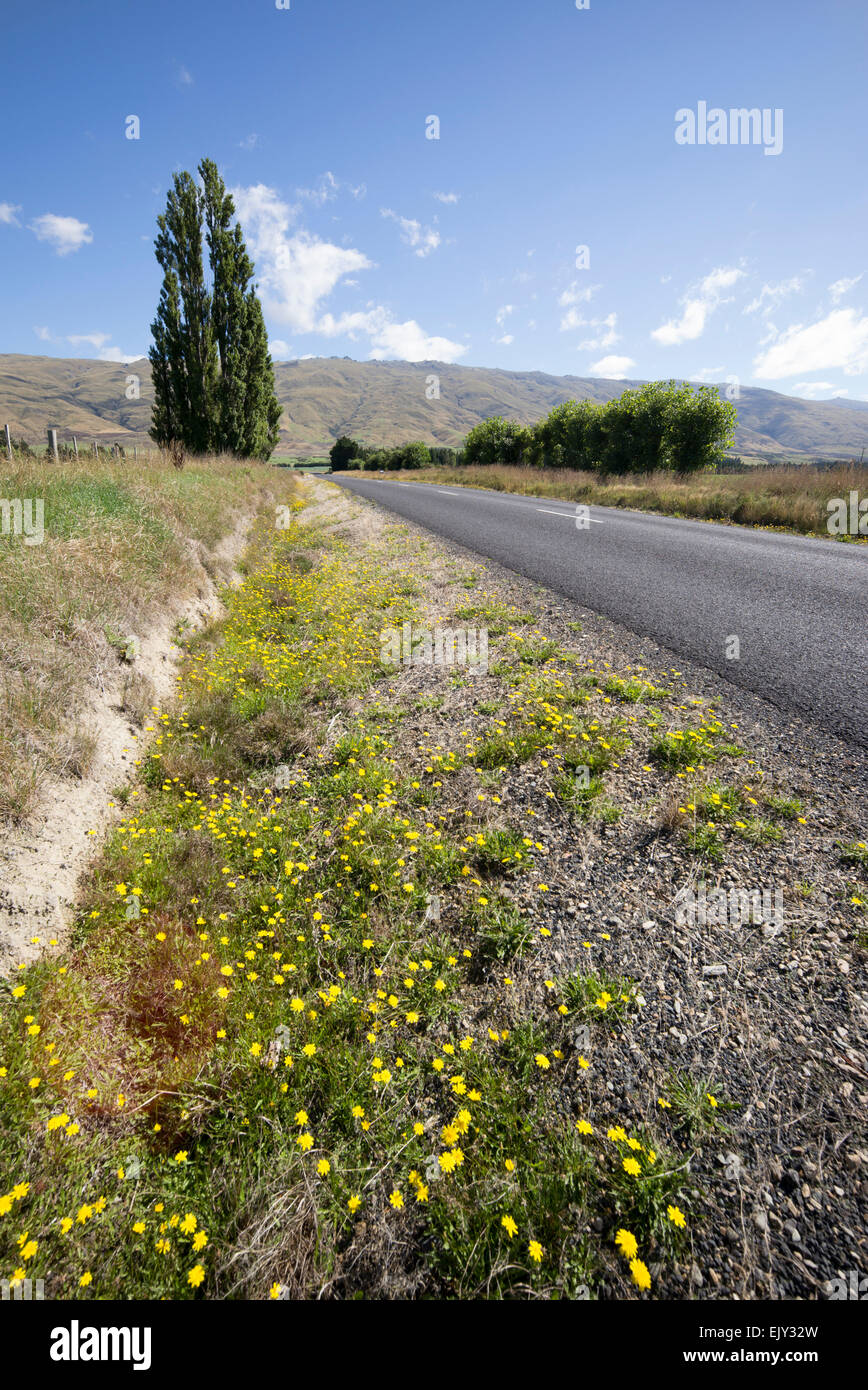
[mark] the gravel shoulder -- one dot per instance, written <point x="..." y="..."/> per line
<point x="767" y="1018"/>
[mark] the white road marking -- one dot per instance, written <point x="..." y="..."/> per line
<point x="509" y="501"/>
<point x="571" y="515"/>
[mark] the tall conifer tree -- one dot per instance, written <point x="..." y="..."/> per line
<point x="212" y="372"/>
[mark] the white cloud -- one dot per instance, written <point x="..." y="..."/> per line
<point x="424" y="240"/>
<point x="249" y="142"/>
<point x="601" y="341"/>
<point x="64" y="233"/>
<point x="447" y="197"/>
<point x="842" y="287"/>
<point x="389" y="339"/>
<point x="698" y="304"/>
<point x="840" y="340"/>
<point x="709" y="374"/>
<point x="573" y="319"/>
<point x="506" y="339"/>
<point x="324" y="191"/>
<point x="295" y="270"/>
<point x="770" y="296"/>
<point x="360" y="191"/>
<point x="597" y="342"/>
<point x="577" y="294"/>
<point x="96" y="340"/>
<point x="43" y="334"/>
<point x="818" y="390"/>
<point x="183" y="76"/>
<point x="114" y="354"/>
<point x="7" y="214"/>
<point x="614" y="367"/>
<point x="296" y="273"/>
<point x="280" y="351"/>
<point x="503" y="314"/>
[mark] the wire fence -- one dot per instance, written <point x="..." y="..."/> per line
<point x="73" y="446"/>
<point x="64" y="445"/>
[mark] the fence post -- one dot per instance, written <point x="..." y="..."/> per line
<point x="95" y="450"/>
<point x="8" y="441"/>
<point x="75" y="446"/>
<point x="52" y="444"/>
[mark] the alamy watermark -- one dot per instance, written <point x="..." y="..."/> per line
<point x="852" y="1286"/>
<point x="738" y="126"/>
<point x="23" y="516"/>
<point x="440" y="646"/>
<point x="847" y="516"/>
<point x="26" y="1290"/>
<point x="738" y="907"/>
<point x="77" y="1343"/>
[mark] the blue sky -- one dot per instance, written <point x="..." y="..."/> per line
<point x="557" y="130"/>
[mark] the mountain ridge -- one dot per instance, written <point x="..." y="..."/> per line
<point x="387" y="402"/>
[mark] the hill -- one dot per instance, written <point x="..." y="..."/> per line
<point x="386" y="403"/>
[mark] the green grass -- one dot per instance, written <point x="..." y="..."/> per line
<point x="856" y="852"/>
<point x="634" y="691"/>
<point x="496" y="617"/>
<point x="696" y="1103"/>
<point x="785" y="807"/>
<point x="498" y="928"/>
<point x="684" y="748"/>
<point x="597" y="997"/>
<point x="536" y="653"/>
<point x="116" y="552"/>
<point x="579" y="794"/>
<point x="759" y="831"/>
<point x="705" y="841"/>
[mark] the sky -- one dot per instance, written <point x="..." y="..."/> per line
<point x="524" y="184"/>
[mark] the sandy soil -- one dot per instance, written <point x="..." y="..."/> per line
<point x="42" y="861"/>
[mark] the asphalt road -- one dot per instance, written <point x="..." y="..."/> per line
<point x="799" y="607"/>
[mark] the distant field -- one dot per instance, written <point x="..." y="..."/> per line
<point x="321" y="464"/>
<point x="785" y="498"/>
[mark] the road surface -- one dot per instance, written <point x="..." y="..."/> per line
<point x="798" y="607"/>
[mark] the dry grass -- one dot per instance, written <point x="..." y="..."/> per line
<point x="787" y="498"/>
<point x="119" y="547"/>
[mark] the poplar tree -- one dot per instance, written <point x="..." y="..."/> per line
<point x="212" y="372"/>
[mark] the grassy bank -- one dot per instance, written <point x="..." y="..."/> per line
<point x="786" y="499"/>
<point x="121" y="542"/>
<point x="255" y="1072"/>
<point x="311" y="1038"/>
